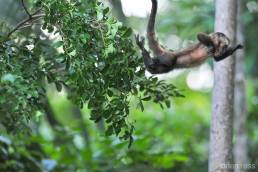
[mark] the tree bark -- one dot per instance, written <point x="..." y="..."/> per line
<point x="50" y="115"/>
<point x="78" y="115"/>
<point x="240" y="112"/>
<point x="117" y="5"/>
<point x="220" y="148"/>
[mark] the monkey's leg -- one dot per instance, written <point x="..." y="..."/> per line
<point x="146" y="55"/>
<point x="229" y="51"/>
<point x="205" y="39"/>
<point x="150" y="63"/>
<point x="153" y="65"/>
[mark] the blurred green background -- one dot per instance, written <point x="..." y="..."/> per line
<point x="173" y="139"/>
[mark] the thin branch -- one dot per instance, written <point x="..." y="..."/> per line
<point x="25" y="8"/>
<point x="30" y="25"/>
<point x="30" y="19"/>
<point x="37" y="11"/>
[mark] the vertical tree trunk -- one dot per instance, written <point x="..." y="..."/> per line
<point x="117" y="5"/>
<point x="220" y="149"/>
<point x="240" y="114"/>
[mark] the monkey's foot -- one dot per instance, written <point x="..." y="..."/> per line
<point x="140" y="41"/>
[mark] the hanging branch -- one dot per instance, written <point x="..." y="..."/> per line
<point x="25" y="8"/>
<point x="31" y="18"/>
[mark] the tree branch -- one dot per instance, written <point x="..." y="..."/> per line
<point x="25" y="8"/>
<point x="50" y="115"/>
<point x="30" y="20"/>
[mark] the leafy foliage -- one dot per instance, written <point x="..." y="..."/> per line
<point x="173" y="139"/>
<point x="14" y="157"/>
<point x="98" y="65"/>
<point x="21" y="84"/>
<point x="173" y="144"/>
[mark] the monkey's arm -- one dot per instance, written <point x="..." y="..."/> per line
<point x="154" y="65"/>
<point x="228" y="52"/>
<point x="167" y="61"/>
<point x="215" y="45"/>
<point x="224" y="51"/>
<point x="148" y="61"/>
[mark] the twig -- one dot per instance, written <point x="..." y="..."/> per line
<point x="30" y="25"/>
<point x="30" y="19"/>
<point x="25" y="8"/>
<point x="37" y="11"/>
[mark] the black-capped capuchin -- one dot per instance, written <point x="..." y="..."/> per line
<point x="216" y="45"/>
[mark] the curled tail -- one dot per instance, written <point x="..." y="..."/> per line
<point x="151" y="23"/>
<point x="153" y="43"/>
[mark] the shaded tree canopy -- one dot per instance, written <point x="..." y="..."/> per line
<point x="97" y="65"/>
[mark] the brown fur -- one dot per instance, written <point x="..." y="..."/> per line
<point x="215" y="44"/>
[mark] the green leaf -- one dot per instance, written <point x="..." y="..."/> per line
<point x="110" y="93"/>
<point x="109" y="130"/>
<point x="105" y="11"/>
<point x="58" y="86"/>
<point x="127" y="33"/>
<point x="141" y="105"/>
<point x="168" y="104"/>
<point x="147" y="98"/>
<point x="58" y="44"/>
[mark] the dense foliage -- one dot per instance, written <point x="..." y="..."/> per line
<point x="93" y="59"/>
<point x="98" y="65"/>
<point x="84" y="68"/>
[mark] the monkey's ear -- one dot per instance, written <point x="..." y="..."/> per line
<point x="205" y="39"/>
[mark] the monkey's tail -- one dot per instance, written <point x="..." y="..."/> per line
<point x="153" y="43"/>
<point x="151" y="23"/>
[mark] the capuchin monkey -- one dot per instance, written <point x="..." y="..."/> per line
<point x="216" y="45"/>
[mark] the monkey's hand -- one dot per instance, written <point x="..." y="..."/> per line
<point x="146" y="55"/>
<point x="227" y="52"/>
<point x="140" y="41"/>
<point x="218" y="45"/>
<point x="205" y="39"/>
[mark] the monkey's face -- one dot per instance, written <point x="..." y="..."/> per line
<point x="217" y="43"/>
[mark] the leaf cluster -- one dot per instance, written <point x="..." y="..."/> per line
<point x="98" y="65"/>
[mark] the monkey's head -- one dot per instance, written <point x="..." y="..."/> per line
<point x="221" y="43"/>
<point x="217" y="42"/>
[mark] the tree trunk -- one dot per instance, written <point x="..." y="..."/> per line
<point x="240" y="114"/>
<point x="220" y="148"/>
<point x="117" y="5"/>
